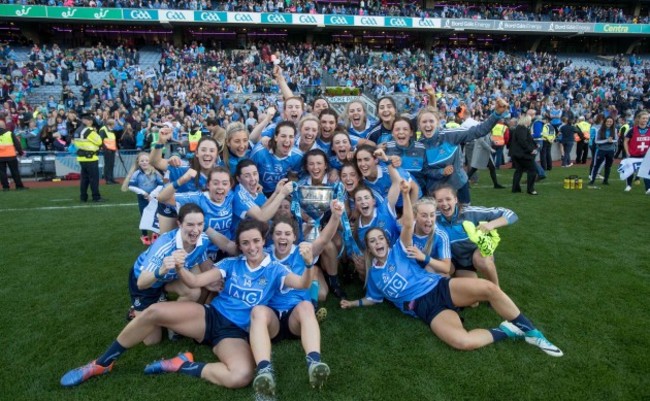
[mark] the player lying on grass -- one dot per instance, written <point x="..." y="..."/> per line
<point x="393" y="274"/>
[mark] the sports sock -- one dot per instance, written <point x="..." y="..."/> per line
<point x="192" y="368"/>
<point x="523" y="323"/>
<point x="498" y="334"/>
<point x="312" y="357"/>
<point x="333" y="280"/>
<point x="112" y="353"/>
<point x="264" y="365"/>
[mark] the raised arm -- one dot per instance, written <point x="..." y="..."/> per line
<point x="155" y="156"/>
<point x="458" y="135"/>
<point x="395" y="178"/>
<point x="256" y="133"/>
<point x="282" y="82"/>
<point x="301" y="282"/>
<point x="330" y="228"/>
<point x="406" y="236"/>
<point x="167" y="193"/>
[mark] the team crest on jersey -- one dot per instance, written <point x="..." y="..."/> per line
<point x="391" y="268"/>
<point x="262" y="281"/>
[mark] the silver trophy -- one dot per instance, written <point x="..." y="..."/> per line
<point x="315" y="201"/>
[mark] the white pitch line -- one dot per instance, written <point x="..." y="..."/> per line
<point x="67" y="207"/>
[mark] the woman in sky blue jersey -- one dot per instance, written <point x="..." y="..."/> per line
<point x="237" y="147"/>
<point x="356" y="119"/>
<point x="412" y="153"/>
<point x="387" y="112"/>
<point x="290" y="313"/>
<point x="250" y="201"/>
<point x="308" y="128"/>
<point x="205" y="158"/>
<point x="393" y="274"/>
<point x="341" y="151"/>
<point x="153" y="274"/>
<point x="466" y="257"/>
<point x="280" y="159"/>
<point x="216" y="201"/>
<point x="328" y="120"/>
<point x="430" y="244"/>
<point x="374" y="212"/>
<point x="444" y="157"/>
<point x="248" y="280"/>
<point x="376" y="175"/>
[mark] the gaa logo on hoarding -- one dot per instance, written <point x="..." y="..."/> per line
<point x="339" y="21"/>
<point x="243" y="18"/>
<point x="306" y="19"/>
<point x="175" y="15"/>
<point x="276" y="18"/>
<point x="368" y="21"/>
<point x="426" y="22"/>
<point x="397" y="22"/>
<point x="212" y="17"/>
<point x="140" y="14"/>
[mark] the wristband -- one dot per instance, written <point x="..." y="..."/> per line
<point x="175" y="184"/>
<point x="427" y="260"/>
<point x="309" y="266"/>
<point x="157" y="275"/>
<point x="361" y="302"/>
<point x="159" y="146"/>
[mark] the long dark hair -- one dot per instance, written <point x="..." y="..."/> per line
<point x="602" y="132"/>
<point x="195" y="164"/>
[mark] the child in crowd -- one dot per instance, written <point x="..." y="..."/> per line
<point x="143" y="179"/>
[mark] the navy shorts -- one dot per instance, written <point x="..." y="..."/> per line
<point x="166" y="210"/>
<point x="142" y="299"/>
<point x="460" y="266"/>
<point x="429" y="305"/>
<point x="284" y="333"/>
<point x="218" y="327"/>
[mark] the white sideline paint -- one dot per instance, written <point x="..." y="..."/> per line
<point x="67" y="207"/>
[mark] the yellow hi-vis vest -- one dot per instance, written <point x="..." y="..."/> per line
<point x="548" y="133"/>
<point x="498" y="134"/>
<point x="7" y="148"/>
<point x="194" y="138"/>
<point x="452" y="124"/>
<point x="585" y="128"/>
<point x="87" y="143"/>
<point x="109" y="142"/>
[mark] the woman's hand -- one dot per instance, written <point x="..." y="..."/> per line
<point x="306" y="253"/>
<point x="169" y="263"/>
<point x="164" y="135"/>
<point x="448" y="170"/>
<point x="345" y="304"/>
<point x="175" y="161"/>
<point x="381" y="155"/>
<point x="405" y="187"/>
<point x="414" y="252"/>
<point x="190" y="175"/>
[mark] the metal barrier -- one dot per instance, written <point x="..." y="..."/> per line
<point x="59" y="164"/>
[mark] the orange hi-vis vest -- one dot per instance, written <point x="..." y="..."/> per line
<point x="585" y="128"/>
<point x="109" y="141"/>
<point x="498" y="134"/>
<point x="7" y="148"/>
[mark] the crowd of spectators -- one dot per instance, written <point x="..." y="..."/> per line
<point x="548" y="12"/>
<point x="195" y="88"/>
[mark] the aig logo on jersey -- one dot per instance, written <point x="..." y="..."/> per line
<point x="395" y="285"/>
<point x="249" y="296"/>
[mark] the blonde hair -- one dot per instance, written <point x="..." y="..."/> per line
<point x="308" y="117"/>
<point x="231" y="130"/>
<point x="524" y="120"/>
<point x="421" y="202"/>
<point x="346" y="117"/>
<point x="150" y="170"/>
